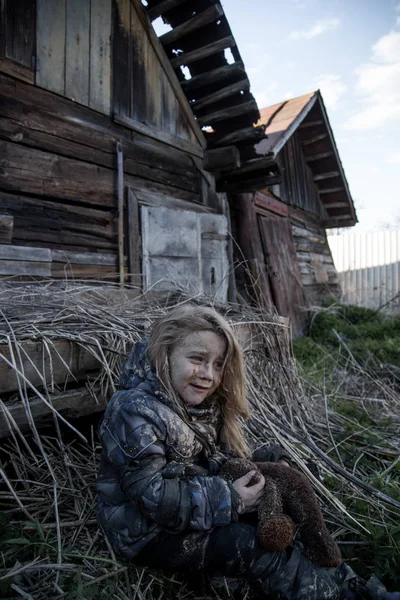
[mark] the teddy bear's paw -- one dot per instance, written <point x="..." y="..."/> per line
<point x="276" y="533"/>
<point x="322" y="550"/>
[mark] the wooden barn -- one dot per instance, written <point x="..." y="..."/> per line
<point x="281" y="229"/>
<point x="144" y="160"/>
<point x="105" y="171"/>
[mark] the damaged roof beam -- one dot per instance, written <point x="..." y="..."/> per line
<point x="256" y="164"/>
<point x="163" y="7"/>
<point x="324" y="176"/>
<point x="227" y="113"/>
<point x="311" y="124"/>
<point x="203" y="52"/>
<point x="247" y="134"/>
<point x="319" y="156"/>
<point x="204" y="18"/>
<point x="225" y="92"/>
<point x="224" y="72"/>
<point x="317" y="138"/>
<point x="332" y="190"/>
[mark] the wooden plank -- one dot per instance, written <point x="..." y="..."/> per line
<point x="58" y="239"/>
<point x="308" y="124"/>
<point x="245" y="135"/>
<point x="319" y="156"/>
<point x="77" y="46"/>
<point x="78" y="214"/>
<point x="332" y="190"/>
<point x="122" y="58"/>
<point x="23" y="253"/>
<point x="20" y="267"/>
<point x="226" y="72"/>
<point x="64" y="361"/>
<point x="134" y="238"/>
<point x="324" y="176"/>
<point x="9" y="67"/>
<point x="228" y="113"/>
<point x="6" y="229"/>
<point x="255" y="164"/>
<point x="20" y="31"/>
<point x="202" y="18"/>
<point x="269" y="203"/>
<point x="100" y="56"/>
<point x="71" y="405"/>
<point x="50" y="73"/>
<point x="226" y="92"/>
<point x="71" y="271"/>
<point x="203" y="52"/>
<point x="163" y="7"/>
<point x="84" y="258"/>
<point x="162" y="136"/>
<point x="222" y="159"/>
<point x="316" y="138"/>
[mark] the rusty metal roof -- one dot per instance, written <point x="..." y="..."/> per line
<point x="281" y="120"/>
<point x="307" y="115"/>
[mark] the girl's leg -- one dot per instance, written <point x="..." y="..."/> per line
<point x="233" y="551"/>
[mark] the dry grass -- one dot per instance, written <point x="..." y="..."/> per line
<point x="52" y="547"/>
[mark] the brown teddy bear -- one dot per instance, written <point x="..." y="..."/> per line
<point x="289" y="501"/>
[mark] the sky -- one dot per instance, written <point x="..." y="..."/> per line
<point x="350" y="50"/>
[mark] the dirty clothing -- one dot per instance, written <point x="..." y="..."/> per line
<point x="159" y="493"/>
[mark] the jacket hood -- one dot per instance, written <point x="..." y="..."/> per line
<point x="137" y="368"/>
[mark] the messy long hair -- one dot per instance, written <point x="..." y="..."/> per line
<point x="231" y="393"/>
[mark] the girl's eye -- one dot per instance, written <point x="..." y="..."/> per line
<point x="197" y="358"/>
<point x="219" y="365"/>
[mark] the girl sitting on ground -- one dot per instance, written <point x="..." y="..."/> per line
<point x="165" y="435"/>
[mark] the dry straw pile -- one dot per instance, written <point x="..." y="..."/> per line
<point x="51" y="545"/>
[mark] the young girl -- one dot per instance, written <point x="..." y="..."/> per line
<point x="165" y="435"/>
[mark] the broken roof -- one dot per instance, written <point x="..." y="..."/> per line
<point x="307" y="115"/>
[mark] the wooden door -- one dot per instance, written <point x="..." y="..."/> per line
<point x="265" y="239"/>
<point x="283" y="269"/>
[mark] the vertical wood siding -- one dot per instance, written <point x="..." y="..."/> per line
<point x="142" y="91"/>
<point x="369" y="267"/>
<point x="298" y="187"/>
<point x="74" y="52"/>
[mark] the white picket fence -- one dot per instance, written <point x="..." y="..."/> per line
<point x="368" y="266"/>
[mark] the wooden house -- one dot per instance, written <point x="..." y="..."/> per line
<point x="105" y="171"/>
<point x="123" y="155"/>
<point x="281" y="228"/>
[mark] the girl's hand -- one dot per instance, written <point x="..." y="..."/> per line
<point x="250" y="496"/>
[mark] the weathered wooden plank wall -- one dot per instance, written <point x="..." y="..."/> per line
<point x="147" y="94"/>
<point x="74" y="50"/>
<point x="318" y="273"/>
<point x="58" y="176"/>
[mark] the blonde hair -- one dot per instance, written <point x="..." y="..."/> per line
<point x="231" y="393"/>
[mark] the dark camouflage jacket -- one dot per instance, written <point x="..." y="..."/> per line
<point x="156" y="466"/>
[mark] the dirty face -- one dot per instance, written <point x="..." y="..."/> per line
<point x="196" y="365"/>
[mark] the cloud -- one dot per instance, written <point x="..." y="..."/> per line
<point x="397" y="7"/>
<point x="288" y="95"/>
<point x="332" y="89"/>
<point x="378" y="85"/>
<point x="393" y="159"/>
<point x="317" y="29"/>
